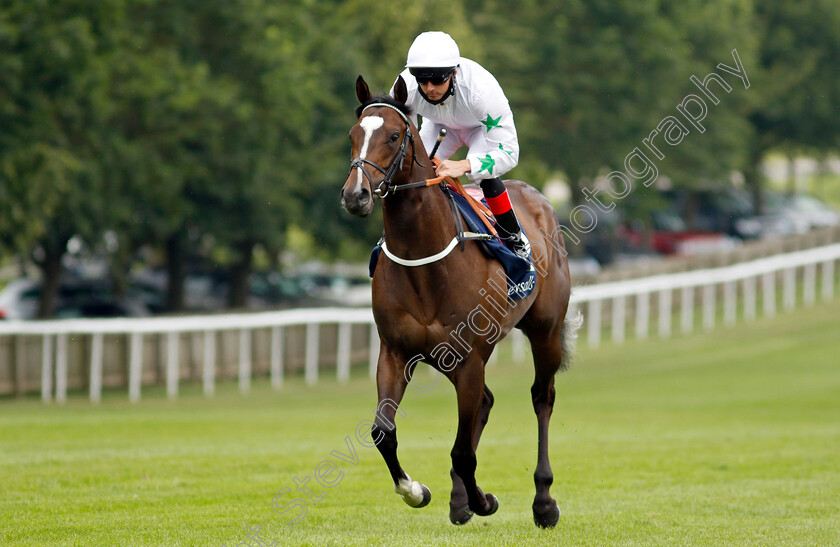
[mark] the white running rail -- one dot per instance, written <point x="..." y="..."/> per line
<point x="605" y="306"/>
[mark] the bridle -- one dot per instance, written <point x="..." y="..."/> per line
<point x="386" y="187"/>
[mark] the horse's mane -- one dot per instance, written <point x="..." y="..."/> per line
<point x="387" y="99"/>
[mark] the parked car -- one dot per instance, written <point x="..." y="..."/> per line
<point x="800" y="211"/>
<point x="272" y="289"/>
<point x="602" y="243"/>
<point x="101" y="307"/>
<point x="719" y="210"/>
<point x="668" y="234"/>
<point x="730" y="211"/>
<point x="19" y="299"/>
<point x="75" y="298"/>
<point x="334" y="289"/>
<point x="819" y="213"/>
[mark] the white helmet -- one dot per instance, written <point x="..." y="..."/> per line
<point x="433" y="50"/>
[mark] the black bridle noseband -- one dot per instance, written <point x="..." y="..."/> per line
<point x="386" y="187"/>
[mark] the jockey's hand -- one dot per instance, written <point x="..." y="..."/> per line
<point x="455" y="169"/>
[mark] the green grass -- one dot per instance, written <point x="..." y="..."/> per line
<point x="726" y="438"/>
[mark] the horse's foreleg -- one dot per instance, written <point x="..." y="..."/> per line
<point x="469" y="385"/>
<point x="459" y="511"/>
<point x="391" y="382"/>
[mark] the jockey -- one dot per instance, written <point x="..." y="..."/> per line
<point x="460" y="95"/>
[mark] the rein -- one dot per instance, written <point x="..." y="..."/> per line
<point x="460" y="237"/>
<point x="386" y="187"/>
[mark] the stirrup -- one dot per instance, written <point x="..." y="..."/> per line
<point x="519" y="245"/>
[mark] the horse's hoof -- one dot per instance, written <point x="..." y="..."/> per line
<point x="460" y="515"/>
<point x="549" y="518"/>
<point x="415" y="494"/>
<point x="427" y="497"/>
<point x="493" y="502"/>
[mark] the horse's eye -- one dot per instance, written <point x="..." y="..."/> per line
<point x="394" y="136"/>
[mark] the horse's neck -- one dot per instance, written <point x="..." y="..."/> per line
<point x="418" y="222"/>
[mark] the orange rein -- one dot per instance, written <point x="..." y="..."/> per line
<point x="477" y="206"/>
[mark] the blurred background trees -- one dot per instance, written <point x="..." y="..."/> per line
<point x="185" y="134"/>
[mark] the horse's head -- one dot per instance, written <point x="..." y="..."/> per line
<point x="380" y="143"/>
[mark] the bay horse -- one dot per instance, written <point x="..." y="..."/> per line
<point x="447" y="310"/>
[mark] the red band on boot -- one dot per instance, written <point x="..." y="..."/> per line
<point x="500" y="204"/>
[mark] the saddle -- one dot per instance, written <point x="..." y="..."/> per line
<point x="474" y="222"/>
<point x="475" y="199"/>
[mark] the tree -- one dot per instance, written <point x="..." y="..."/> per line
<point x="210" y="124"/>
<point x="797" y="91"/>
<point x="580" y="76"/>
<point x="356" y="37"/>
<point x="265" y="142"/>
<point x="52" y="129"/>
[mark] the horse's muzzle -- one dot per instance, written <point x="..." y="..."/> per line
<point x="358" y="202"/>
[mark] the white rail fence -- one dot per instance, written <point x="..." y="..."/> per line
<point x="708" y="286"/>
<point x="608" y="306"/>
<point x="56" y="334"/>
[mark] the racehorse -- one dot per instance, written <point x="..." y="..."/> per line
<point x="441" y="306"/>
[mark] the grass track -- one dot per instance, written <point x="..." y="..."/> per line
<point x="724" y="438"/>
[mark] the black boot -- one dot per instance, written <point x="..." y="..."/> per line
<point x="510" y="232"/>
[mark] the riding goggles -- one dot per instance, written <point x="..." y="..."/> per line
<point x="432" y="75"/>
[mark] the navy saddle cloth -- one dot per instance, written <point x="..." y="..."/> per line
<point x="521" y="276"/>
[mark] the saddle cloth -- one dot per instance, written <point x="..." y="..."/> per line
<point x="520" y="273"/>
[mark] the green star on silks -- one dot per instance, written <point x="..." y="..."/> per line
<point x="487" y="164"/>
<point x="490" y="123"/>
<point x="502" y="148"/>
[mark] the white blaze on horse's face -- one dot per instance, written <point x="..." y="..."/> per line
<point x="369" y="124"/>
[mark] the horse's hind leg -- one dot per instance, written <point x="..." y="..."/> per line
<point x="391" y="382"/>
<point x="459" y="511"/>
<point x="547" y="353"/>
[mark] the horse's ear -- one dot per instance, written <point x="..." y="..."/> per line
<point x="362" y="90"/>
<point x="400" y="90"/>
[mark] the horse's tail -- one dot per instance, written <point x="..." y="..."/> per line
<point x="568" y="336"/>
